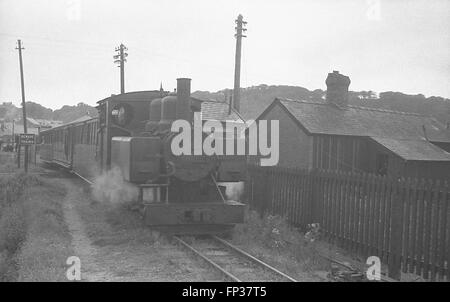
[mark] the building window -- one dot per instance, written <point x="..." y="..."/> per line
<point x="382" y="164"/>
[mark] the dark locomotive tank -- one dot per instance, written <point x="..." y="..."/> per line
<point x="168" y="112"/>
<point x="163" y="112"/>
<point x="154" y="115"/>
<point x="188" y="168"/>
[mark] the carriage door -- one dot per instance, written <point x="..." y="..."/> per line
<point x="65" y="141"/>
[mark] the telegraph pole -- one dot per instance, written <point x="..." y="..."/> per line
<point x="24" y="111"/>
<point x="237" y="67"/>
<point x="120" y="59"/>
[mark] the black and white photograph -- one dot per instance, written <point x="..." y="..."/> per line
<point x="196" y="144"/>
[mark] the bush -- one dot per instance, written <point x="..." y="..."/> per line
<point x="13" y="186"/>
<point x="12" y="228"/>
<point x="278" y="240"/>
<point x="272" y="231"/>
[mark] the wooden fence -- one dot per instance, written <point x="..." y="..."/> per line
<point x="405" y="222"/>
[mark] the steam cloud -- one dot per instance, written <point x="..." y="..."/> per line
<point x="110" y="187"/>
<point x="234" y="190"/>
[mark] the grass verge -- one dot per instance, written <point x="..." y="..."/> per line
<point x="34" y="240"/>
<point x="271" y="239"/>
<point x="12" y="220"/>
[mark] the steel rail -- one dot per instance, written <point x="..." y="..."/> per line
<point x="209" y="261"/>
<point x="83" y="178"/>
<point x="254" y="259"/>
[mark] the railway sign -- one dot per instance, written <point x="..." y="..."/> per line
<point x="26" y="139"/>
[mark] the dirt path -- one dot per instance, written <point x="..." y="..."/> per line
<point x="113" y="245"/>
<point x="83" y="248"/>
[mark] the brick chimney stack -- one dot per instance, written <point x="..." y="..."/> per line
<point x="337" y="88"/>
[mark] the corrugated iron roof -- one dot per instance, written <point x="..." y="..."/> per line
<point x="414" y="149"/>
<point x="325" y="118"/>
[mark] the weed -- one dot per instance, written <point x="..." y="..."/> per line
<point x="274" y="240"/>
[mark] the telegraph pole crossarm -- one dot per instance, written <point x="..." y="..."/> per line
<point x="237" y="67"/>
<point x="120" y="59"/>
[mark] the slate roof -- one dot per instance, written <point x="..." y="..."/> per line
<point x="324" y="118"/>
<point x="414" y="149"/>
<point x="408" y="135"/>
<point x="218" y="111"/>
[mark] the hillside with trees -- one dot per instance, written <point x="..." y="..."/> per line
<point x="437" y="107"/>
<point x="70" y="113"/>
<point x="256" y="98"/>
<point x="8" y="111"/>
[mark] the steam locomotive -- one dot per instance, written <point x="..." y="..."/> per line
<point x="132" y="133"/>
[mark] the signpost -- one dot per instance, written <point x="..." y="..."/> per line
<point x="26" y="139"/>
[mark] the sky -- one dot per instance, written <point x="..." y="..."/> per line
<point x="69" y="45"/>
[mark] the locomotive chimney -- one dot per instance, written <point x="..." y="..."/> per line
<point x="184" y="99"/>
<point x="337" y="89"/>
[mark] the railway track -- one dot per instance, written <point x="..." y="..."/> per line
<point x="231" y="262"/>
